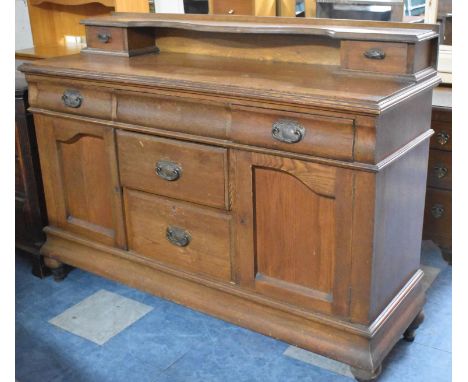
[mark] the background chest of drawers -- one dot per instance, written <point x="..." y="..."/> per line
<point x="438" y="212"/>
<point x="202" y="159"/>
<point x="31" y="214"/>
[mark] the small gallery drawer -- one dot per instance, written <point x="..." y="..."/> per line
<point x="188" y="237"/>
<point x="386" y="57"/>
<point x="440" y="169"/>
<point x="105" y="38"/>
<point x="305" y="134"/>
<point x="72" y="99"/>
<point x="442" y="138"/>
<point x="188" y="171"/>
<point x="438" y="216"/>
<point x="120" y="41"/>
<point x="233" y="7"/>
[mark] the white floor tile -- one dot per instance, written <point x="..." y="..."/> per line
<point x="101" y="316"/>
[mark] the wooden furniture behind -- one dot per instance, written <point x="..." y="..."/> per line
<point x="52" y="20"/>
<point x="287" y="8"/>
<point x="270" y="172"/>
<point x="31" y="214"/>
<point x="438" y="213"/>
<point x="242" y="7"/>
<point x="324" y="7"/>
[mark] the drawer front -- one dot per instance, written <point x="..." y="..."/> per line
<point x="374" y="56"/>
<point x="438" y="217"/>
<point x="105" y="38"/>
<point x="442" y="138"/>
<point x="187" y="171"/>
<point x="440" y="169"/>
<point x="71" y="99"/>
<point x="174" y="114"/>
<point x="188" y="237"/>
<point x="230" y="7"/>
<point x="314" y="135"/>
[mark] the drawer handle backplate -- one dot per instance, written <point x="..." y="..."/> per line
<point x="168" y="170"/>
<point x="288" y="131"/>
<point x="440" y="170"/>
<point x="437" y="211"/>
<point x="104" y="37"/>
<point x="72" y="98"/>
<point x="374" y="54"/>
<point x="178" y="236"/>
<point x="442" y="138"/>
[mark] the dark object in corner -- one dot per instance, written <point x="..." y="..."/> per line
<point x="30" y="210"/>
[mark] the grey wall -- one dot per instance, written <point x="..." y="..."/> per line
<point x="23" y="36"/>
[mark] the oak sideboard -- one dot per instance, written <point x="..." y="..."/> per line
<point x="267" y="171"/>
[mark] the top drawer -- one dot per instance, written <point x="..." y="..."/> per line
<point x="312" y="134"/>
<point x="71" y="99"/>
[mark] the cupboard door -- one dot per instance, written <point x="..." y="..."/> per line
<point x="79" y="167"/>
<point x="293" y="230"/>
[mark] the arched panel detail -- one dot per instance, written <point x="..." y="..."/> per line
<point x="73" y="138"/>
<point x="319" y="178"/>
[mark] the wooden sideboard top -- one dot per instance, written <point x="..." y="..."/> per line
<point x="319" y="63"/>
<point x="309" y="85"/>
<point x="336" y="29"/>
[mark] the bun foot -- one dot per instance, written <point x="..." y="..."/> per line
<point x="362" y="375"/>
<point x="59" y="270"/>
<point x="410" y="334"/>
<point x="447" y="255"/>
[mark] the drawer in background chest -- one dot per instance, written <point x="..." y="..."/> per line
<point x="187" y="171"/>
<point x="438" y="216"/>
<point x="442" y="138"/>
<point x="440" y="169"/>
<point x="191" y="238"/>
<point x="313" y="135"/>
<point x="72" y="99"/>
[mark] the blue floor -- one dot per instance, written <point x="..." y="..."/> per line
<point x="173" y="343"/>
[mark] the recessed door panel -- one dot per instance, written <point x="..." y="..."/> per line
<point x="86" y="182"/>
<point x="293" y="230"/>
<point x="79" y="166"/>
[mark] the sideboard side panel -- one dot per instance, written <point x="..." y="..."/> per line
<point x="400" y="192"/>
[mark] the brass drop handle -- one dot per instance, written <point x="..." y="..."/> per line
<point x="231" y="11"/>
<point x="442" y="138"/>
<point x="178" y="236"/>
<point x="104" y="37"/>
<point x="72" y="98"/>
<point x="288" y="131"/>
<point x="374" y="54"/>
<point x="440" y="170"/>
<point x="167" y="170"/>
<point x="437" y="211"/>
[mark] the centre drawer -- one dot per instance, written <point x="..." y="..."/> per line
<point x="192" y="238"/>
<point x="187" y="171"/>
